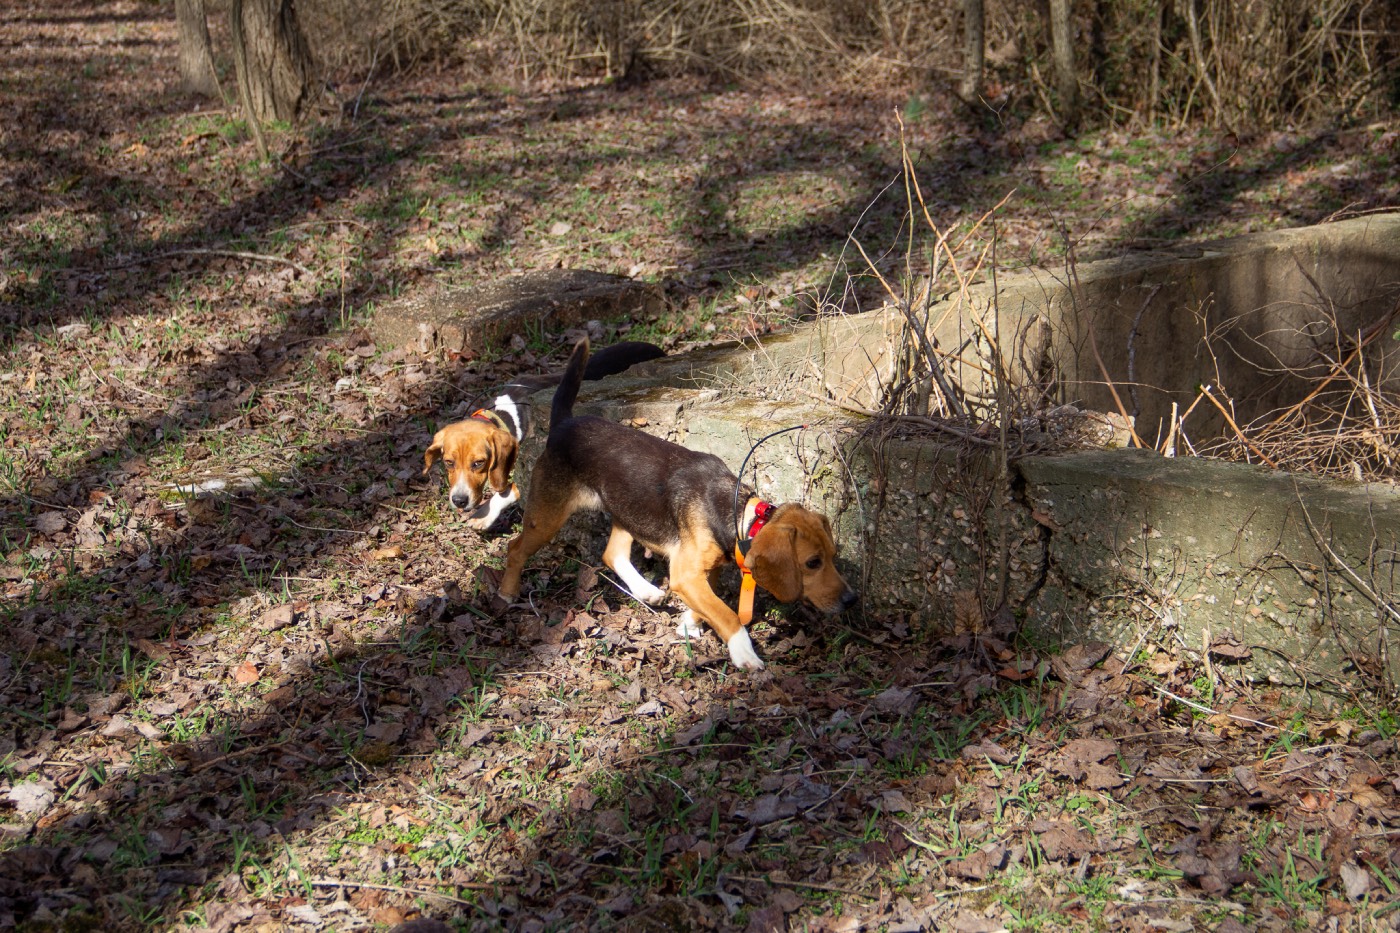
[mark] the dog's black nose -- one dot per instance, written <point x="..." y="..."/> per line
<point x="848" y="599"/>
<point x="461" y="501"/>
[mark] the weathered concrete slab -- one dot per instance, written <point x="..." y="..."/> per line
<point x="472" y="318"/>
<point x="1263" y="298"/>
<point x="1179" y="553"/>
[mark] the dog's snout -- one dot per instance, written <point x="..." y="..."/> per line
<point x="848" y="598"/>
<point x="461" y="500"/>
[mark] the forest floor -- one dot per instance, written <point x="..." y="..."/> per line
<point x="286" y="706"/>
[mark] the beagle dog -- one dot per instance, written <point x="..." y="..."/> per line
<point x="677" y="502"/>
<point x="482" y="448"/>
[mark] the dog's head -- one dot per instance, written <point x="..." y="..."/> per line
<point x="473" y="451"/>
<point x="793" y="557"/>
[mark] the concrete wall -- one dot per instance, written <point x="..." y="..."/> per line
<point x="1260" y="297"/>
<point x="1292" y="580"/>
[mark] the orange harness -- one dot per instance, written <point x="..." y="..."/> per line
<point x="762" y="511"/>
<point x="482" y="414"/>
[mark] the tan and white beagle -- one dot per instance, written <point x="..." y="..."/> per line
<point x="482" y="448"/>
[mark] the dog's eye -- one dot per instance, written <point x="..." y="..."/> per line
<point x="449" y="464"/>
<point x="814" y="563"/>
<point x="478" y="465"/>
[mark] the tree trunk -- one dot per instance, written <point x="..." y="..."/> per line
<point x="974" y="50"/>
<point x="1062" y="43"/>
<point x="196" y="54"/>
<point x="271" y="58"/>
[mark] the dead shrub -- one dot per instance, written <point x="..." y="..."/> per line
<point x="1243" y="64"/>
<point x="1347" y="422"/>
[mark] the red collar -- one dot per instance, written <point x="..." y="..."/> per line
<point x="762" y="511"/>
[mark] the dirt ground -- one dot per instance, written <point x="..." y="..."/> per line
<point x="250" y="679"/>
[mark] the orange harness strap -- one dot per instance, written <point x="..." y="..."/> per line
<point x="483" y="414"/>
<point x="762" y="511"/>
<point x="746" y="588"/>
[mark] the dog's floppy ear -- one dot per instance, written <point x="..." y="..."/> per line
<point x="772" y="560"/>
<point x="503" y="448"/>
<point x="433" y="454"/>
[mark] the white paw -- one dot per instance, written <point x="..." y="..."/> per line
<point x="481" y="523"/>
<point x="741" y="652"/>
<point x="649" y="594"/>
<point x="688" y="627"/>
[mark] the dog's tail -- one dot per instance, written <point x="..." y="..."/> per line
<point x="564" y="396"/>
<point x="608" y="361"/>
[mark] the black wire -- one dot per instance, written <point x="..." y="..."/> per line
<point x="739" y="480"/>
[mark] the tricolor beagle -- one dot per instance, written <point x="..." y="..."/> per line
<point x="483" y="448"/>
<point x="679" y="503"/>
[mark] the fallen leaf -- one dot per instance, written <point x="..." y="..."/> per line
<point x="246" y="673"/>
<point x="278" y="617"/>
<point x="32" y="797"/>
<point x="50" y="523"/>
<point x="1356" y="880"/>
<point x="152" y="650"/>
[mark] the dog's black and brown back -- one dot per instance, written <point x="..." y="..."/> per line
<point x="651" y="486"/>
<point x="677" y="502"/>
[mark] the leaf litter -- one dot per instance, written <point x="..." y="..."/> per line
<point x="250" y="681"/>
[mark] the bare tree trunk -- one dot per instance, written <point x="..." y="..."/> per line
<point x="1062" y="43"/>
<point x="271" y="58"/>
<point x="1154" y="88"/>
<point x="1202" y="70"/>
<point x="196" y="54"/>
<point x="974" y="50"/>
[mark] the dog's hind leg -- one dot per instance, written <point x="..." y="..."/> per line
<point x="618" y="556"/>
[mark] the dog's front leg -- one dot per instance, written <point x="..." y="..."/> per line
<point x="692" y="585"/>
<point x="485" y="516"/>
